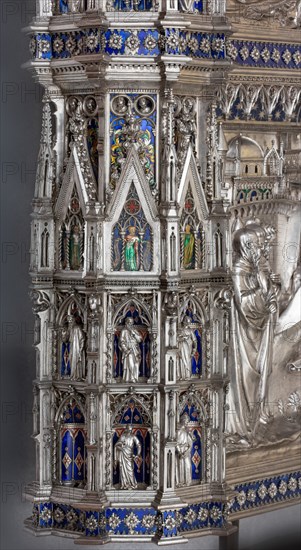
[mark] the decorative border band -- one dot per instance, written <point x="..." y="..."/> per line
<point x="170" y="523"/>
<point x="128" y="521"/>
<point x="150" y="42"/>
<point x="267" y="491"/>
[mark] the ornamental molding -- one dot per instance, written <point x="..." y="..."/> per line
<point x="248" y="96"/>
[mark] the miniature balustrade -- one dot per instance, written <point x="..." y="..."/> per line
<point x="254" y="189"/>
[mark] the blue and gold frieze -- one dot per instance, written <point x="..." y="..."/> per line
<point x="170" y="523"/>
<point x="267" y="491"/>
<point x="264" y="54"/>
<point x="150" y="42"/>
<point x="128" y="521"/>
<point x="147" y="521"/>
<point x="141" y="42"/>
<point x="201" y="516"/>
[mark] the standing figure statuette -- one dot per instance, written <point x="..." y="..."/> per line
<point x="77" y="349"/>
<point x="130" y="339"/>
<point x="187" y="348"/>
<point x="183" y="453"/>
<point x="124" y="457"/>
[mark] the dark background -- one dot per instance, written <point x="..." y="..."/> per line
<point x="20" y="132"/>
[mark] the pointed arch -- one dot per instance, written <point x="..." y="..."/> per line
<point x="192" y="255"/>
<point x="193" y="409"/>
<point x="191" y="177"/>
<point x="69" y="307"/>
<point x="271" y="163"/>
<point x="131" y="223"/>
<point x="132" y="237"/>
<point x="45" y="248"/>
<point x="129" y="405"/>
<point x="123" y="307"/>
<point x="77" y="404"/>
<point x="191" y="306"/>
<point x="142" y="350"/>
<point x="190" y="403"/>
<point x="71" y="430"/>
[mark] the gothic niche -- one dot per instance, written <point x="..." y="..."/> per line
<point x="72" y="237"/>
<point x="218" y="247"/>
<point x="190" y="441"/>
<point x="45" y="247"/>
<point x="73" y="360"/>
<point x="131" y="446"/>
<point x="192" y="236"/>
<point x="132" y="345"/>
<point x="189" y="343"/>
<point x="132" y="238"/>
<point x="72" y="438"/>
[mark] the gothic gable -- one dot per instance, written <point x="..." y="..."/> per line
<point x="191" y="178"/>
<point x="73" y="180"/>
<point x="132" y="222"/>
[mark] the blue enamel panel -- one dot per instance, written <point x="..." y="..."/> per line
<point x="141" y="521"/>
<point x="46" y="514"/>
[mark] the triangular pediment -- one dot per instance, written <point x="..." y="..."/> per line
<point x="132" y="174"/>
<point x="132" y="216"/>
<point x="190" y="179"/>
<point x="74" y="179"/>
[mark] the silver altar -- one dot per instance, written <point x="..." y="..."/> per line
<point x="165" y="266"/>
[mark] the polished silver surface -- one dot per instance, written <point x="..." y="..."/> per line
<point x="165" y="266"/>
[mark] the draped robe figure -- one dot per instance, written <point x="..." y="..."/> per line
<point x="188" y="248"/>
<point x="183" y="453"/>
<point x="187" y="347"/>
<point x="131" y="250"/>
<point x="64" y="6"/>
<point x="186" y="5"/>
<point x="75" y="248"/>
<point x="252" y="320"/>
<point x="124" y="457"/>
<point x="129" y="341"/>
<point x="77" y="352"/>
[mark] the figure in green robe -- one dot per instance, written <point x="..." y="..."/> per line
<point x="75" y="248"/>
<point x="188" y="255"/>
<point x="131" y="256"/>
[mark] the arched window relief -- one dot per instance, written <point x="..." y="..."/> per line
<point x="173" y="255"/>
<point x="72" y="237"/>
<point x="72" y="454"/>
<point x="218" y="245"/>
<point x="131" y="447"/>
<point x="132" y="345"/>
<point x="91" y="251"/>
<point x="45" y="248"/>
<point x="45" y="178"/>
<point x="132" y="239"/>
